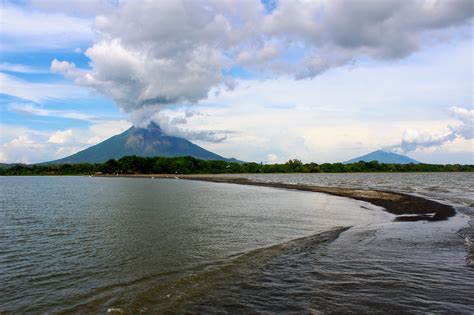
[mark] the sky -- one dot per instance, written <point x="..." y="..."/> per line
<point x="263" y="81"/>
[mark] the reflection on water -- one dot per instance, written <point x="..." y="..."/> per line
<point x="75" y="244"/>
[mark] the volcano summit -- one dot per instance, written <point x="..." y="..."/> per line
<point x="146" y="142"/>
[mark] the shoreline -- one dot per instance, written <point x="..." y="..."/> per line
<point x="406" y="207"/>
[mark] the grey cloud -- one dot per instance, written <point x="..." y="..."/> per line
<point x="191" y="113"/>
<point x="466" y="128"/>
<point x="175" y="126"/>
<point x="413" y="139"/>
<point x="378" y="29"/>
<point x="180" y="120"/>
<point x="175" y="52"/>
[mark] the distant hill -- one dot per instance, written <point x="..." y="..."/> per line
<point x="384" y="157"/>
<point x="6" y="165"/>
<point x="145" y="142"/>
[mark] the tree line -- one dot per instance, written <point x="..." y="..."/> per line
<point x="190" y="165"/>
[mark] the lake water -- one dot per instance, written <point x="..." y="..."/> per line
<point x="93" y="245"/>
<point x="452" y="188"/>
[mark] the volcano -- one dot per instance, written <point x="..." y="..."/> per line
<point x="384" y="157"/>
<point x="145" y="142"/>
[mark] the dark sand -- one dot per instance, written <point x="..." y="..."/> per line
<point x="406" y="207"/>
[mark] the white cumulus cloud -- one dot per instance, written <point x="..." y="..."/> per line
<point x="20" y="144"/>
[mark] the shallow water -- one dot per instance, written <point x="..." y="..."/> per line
<point x="454" y="188"/>
<point x="77" y="244"/>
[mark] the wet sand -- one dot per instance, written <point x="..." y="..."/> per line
<point x="405" y="207"/>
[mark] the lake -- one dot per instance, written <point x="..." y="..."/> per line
<point x="141" y="245"/>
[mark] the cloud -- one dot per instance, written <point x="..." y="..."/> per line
<point x="19" y="68"/>
<point x="155" y="54"/>
<point x="20" y="144"/>
<point x="9" y="132"/>
<point x="414" y="139"/>
<point x="24" y="148"/>
<point x="23" y="28"/>
<point x="133" y="79"/>
<point x="34" y="109"/>
<point x="83" y="8"/>
<point x="346" y="113"/>
<point x="183" y="50"/>
<point x="457" y="151"/>
<point x="38" y="91"/>
<point x="175" y="125"/>
<point x="272" y="158"/>
<point x="61" y="136"/>
<point x="105" y="129"/>
<point x="465" y="128"/>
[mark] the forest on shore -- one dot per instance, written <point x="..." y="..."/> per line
<point x="190" y="165"/>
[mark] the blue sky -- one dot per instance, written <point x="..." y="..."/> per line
<point x="321" y="81"/>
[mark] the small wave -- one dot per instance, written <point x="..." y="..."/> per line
<point x="468" y="235"/>
<point x="470" y="246"/>
<point x="173" y="295"/>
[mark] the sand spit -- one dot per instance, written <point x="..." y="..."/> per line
<point x="406" y="207"/>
